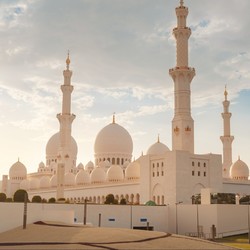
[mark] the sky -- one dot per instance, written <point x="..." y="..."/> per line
<point x="120" y="54"/>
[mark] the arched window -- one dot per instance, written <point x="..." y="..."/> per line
<point x="158" y="200"/>
<point x="162" y="200"/>
<point x="132" y="198"/>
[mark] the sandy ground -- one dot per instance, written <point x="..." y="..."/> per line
<point x="59" y="236"/>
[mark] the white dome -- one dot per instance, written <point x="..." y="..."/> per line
<point x="98" y="175"/>
<point x="125" y="164"/>
<point x="25" y="184"/>
<point x="89" y="166"/>
<point x="113" y="139"/>
<point x="18" y="171"/>
<point x="34" y="183"/>
<point x="133" y="171"/>
<point x="80" y="166"/>
<point x="105" y="165"/>
<point x="53" y="145"/>
<point x="53" y="181"/>
<point x="157" y="148"/>
<point x="115" y="173"/>
<point x="45" y="182"/>
<point x="82" y="177"/>
<point x="69" y="179"/>
<point x="41" y="165"/>
<point x="239" y="170"/>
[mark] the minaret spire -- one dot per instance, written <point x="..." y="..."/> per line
<point x="67" y="61"/>
<point x="182" y="74"/>
<point x="226" y="139"/>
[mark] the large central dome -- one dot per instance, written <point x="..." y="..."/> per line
<point x="113" y="143"/>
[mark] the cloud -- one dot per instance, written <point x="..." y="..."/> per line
<point x="120" y="55"/>
<point x="11" y="12"/>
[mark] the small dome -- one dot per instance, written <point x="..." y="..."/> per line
<point x="34" y="183"/>
<point x="69" y="179"/>
<point x="115" y="173"/>
<point x="105" y="165"/>
<point x="41" y="165"/>
<point x="45" y="182"/>
<point x="125" y="164"/>
<point x="53" y="181"/>
<point x="239" y="170"/>
<point x="52" y="147"/>
<point x="133" y="171"/>
<point x="18" y="171"/>
<point x="157" y="148"/>
<point x="25" y="184"/>
<point x="89" y="166"/>
<point x="113" y="139"/>
<point x="98" y="175"/>
<point x="80" y="166"/>
<point x="82" y="177"/>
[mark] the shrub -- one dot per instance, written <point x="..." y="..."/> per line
<point x="3" y="197"/>
<point x="19" y="195"/>
<point x="110" y="199"/>
<point x="52" y="200"/>
<point x="37" y="198"/>
<point x="61" y="200"/>
<point x="8" y="200"/>
<point x="123" y="201"/>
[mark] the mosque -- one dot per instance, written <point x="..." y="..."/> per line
<point x="162" y="175"/>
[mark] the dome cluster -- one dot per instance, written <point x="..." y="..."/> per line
<point x="86" y="176"/>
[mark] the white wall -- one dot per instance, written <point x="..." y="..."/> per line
<point x="232" y="218"/>
<point x="228" y="219"/>
<point x="11" y="214"/>
<point x="123" y="216"/>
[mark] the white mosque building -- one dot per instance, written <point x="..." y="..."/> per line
<point x="162" y="175"/>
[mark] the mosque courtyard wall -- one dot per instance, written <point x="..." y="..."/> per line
<point x="227" y="219"/>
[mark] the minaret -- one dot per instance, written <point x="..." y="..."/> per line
<point x="226" y="139"/>
<point x="65" y="161"/>
<point x="182" y="74"/>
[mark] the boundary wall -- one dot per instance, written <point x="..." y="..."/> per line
<point x="181" y="218"/>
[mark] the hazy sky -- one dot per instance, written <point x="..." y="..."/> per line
<point x="120" y="52"/>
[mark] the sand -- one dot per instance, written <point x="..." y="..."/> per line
<point x="52" y="235"/>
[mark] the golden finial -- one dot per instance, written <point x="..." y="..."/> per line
<point x="158" y="139"/>
<point x="68" y="61"/>
<point x="225" y="92"/>
<point x="114" y="117"/>
<point x="181" y="3"/>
